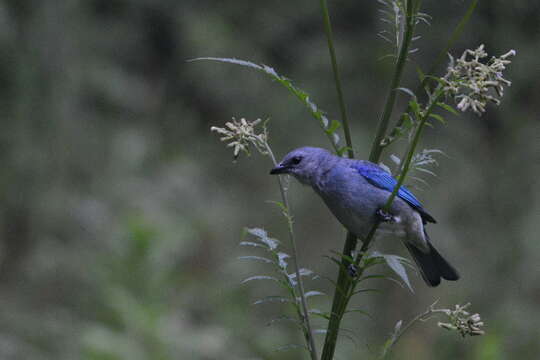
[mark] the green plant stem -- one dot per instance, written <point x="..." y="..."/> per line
<point x="376" y="148"/>
<point x="305" y="312"/>
<point x="350" y="241"/>
<point x="344" y="284"/>
<point x="337" y="80"/>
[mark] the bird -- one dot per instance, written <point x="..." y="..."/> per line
<point x="356" y="191"/>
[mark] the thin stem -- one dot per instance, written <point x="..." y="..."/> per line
<point x="329" y="38"/>
<point x="376" y="148"/>
<point x="344" y="284"/>
<point x="305" y="316"/>
<point x="350" y="242"/>
<point x="395" y="337"/>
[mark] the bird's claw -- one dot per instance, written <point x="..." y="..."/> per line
<point x="352" y="270"/>
<point x="384" y="216"/>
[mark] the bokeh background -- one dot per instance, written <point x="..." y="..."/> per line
<point x="121" y="213"/>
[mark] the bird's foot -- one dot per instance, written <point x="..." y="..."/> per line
<point x="384" y="216"/>
<point x="352" y="270"/>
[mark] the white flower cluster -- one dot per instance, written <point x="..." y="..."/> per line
<point x="462" y="321"/>
<point x="471" y="81"/>
<point x="241" y="133"/>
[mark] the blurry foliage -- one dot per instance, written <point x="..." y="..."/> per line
<point x="102" y="118"/>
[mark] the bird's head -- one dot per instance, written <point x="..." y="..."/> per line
<point x="302" y="163"/>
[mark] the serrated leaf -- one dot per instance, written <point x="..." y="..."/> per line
<point x="260" y="277"/>
<point x="287" y="83"/>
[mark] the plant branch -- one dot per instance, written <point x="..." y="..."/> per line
<point x="329" y="38"/>
<point x="376" y="148"/>
<point x="305" y="313"/>
<point x="400" y="331"/>
<point x="345" y="286"/>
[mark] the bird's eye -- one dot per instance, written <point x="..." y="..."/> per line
<point x="296" y="160"/>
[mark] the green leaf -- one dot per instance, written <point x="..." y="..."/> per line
<point x="448" y="108"/>
<point x="322" y="314"/>
<point x="342" y="150"/>
<point x="334" y="125"/>
<point x="314" y="293"/>
<point x="260" y="277"/>
<point x="438" y="118"/>
<point x="250" y="243"/>
<point x="366" y="290"/>
<point x="287" y="83"/>
<point x="415" y="107"/>
<point x="272" y="299"/>
<point x="394" y="262"/>
<point x="262" y="235"/>
<point x="349" y="259"/>
<point x="303" y="272"/>
<point x="256" y="258"/>
<point x="362" y="312"/>
<point x="406" y="91"/>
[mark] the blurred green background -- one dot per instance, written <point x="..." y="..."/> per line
<point x="121" y="213"/>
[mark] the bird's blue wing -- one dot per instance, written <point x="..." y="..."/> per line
<point x="381" y="179"/>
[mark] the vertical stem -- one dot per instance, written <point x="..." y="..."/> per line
<point x="351" y="241"/>
<point x="340" y="300"/>
<point x="305" y="316"/>
<point x="376" y="148"/>
<point x="329" y="38"/>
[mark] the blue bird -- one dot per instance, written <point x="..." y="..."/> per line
<point x="355" y="191"/>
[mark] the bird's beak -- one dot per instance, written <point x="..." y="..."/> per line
<point x="280" y="169"/>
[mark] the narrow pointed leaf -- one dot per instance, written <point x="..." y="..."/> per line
<point x="272" y="299"/>
<point x="256" y="258"/>
<point x="260" y="277"/>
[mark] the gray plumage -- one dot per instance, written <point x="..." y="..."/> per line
<point x="355" y="190"/>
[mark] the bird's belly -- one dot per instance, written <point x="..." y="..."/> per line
<point x="360" y="219"/>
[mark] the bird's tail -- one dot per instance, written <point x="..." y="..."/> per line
<point x="432" y="265"/>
